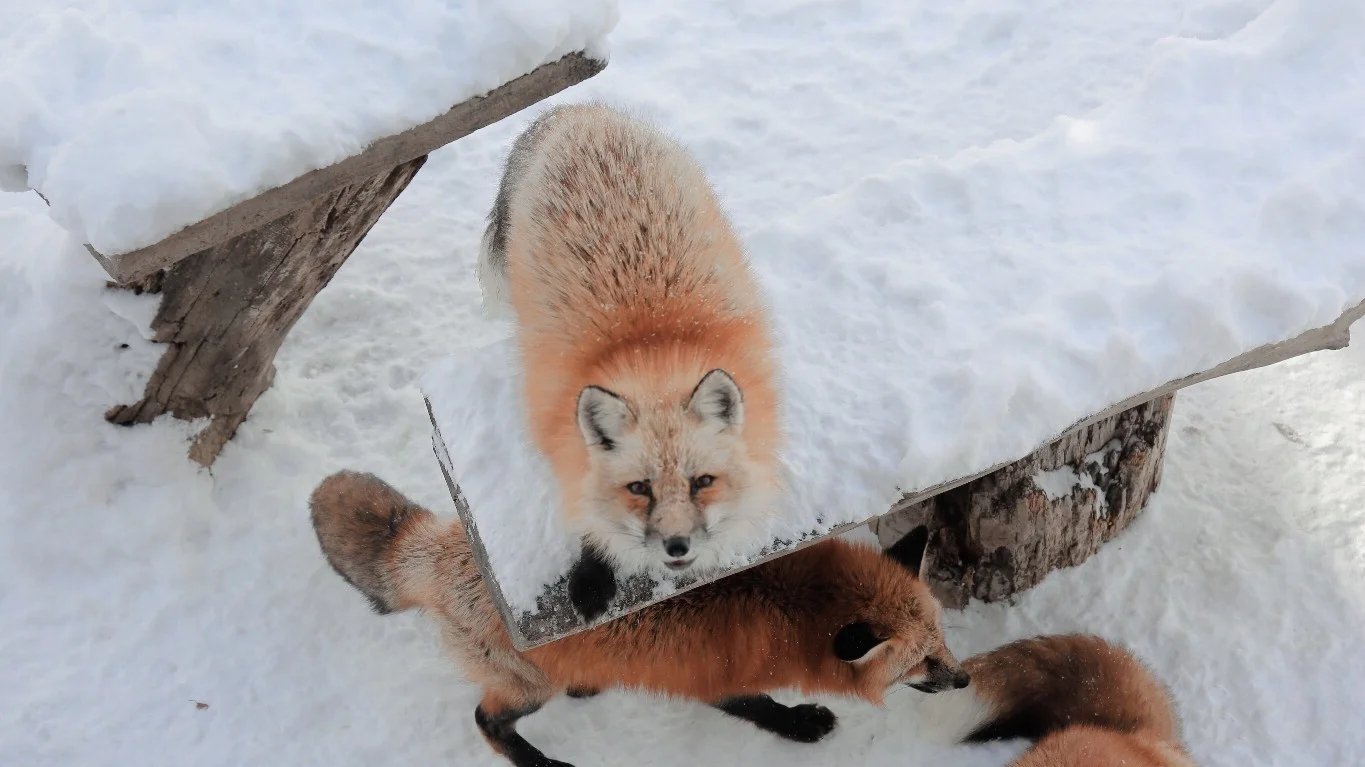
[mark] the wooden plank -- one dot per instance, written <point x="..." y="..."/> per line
<point x="380" y="157"/>
<point x="554" y="618"/>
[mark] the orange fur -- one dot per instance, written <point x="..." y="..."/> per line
<point x="624" y="273"/>
<point x="1087" y="702"/>
<point x="1087" y="746"/>
<point x="773" y="627"/>
<point x="770" y="627"/>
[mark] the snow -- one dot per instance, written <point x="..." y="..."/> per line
<point x="1061" y="482"/>
<point x="210" y="104"/>
<point x="945" y="314"/>
<point x="133" y="584"/>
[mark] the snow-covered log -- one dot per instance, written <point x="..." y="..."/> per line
<point x="233" y="284"/>
<point x="1003" y="533"/>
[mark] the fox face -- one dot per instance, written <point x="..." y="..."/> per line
<point x="907" y="649"/>
<point x="898" y="637"/>
<point x="669" y="483"/>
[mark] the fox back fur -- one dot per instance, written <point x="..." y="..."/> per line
<point x="831" y="618"/>
<point x="646" y="348"/>
<point x="1086" y="703"/>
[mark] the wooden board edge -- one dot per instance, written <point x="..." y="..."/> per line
<point x="388" y="152"/>
<point x="471" y="527"/>
<point x="1335" y="335"/>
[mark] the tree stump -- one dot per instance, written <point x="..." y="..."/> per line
<point x="226" y="309"/>
<point x="1003" y="533"/>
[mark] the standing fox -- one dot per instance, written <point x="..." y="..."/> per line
<point x="831" y="618"/>
<point x="1086" y="702"/>
<point x="648" y="361"/>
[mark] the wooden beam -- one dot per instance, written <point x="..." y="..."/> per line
<point x="380" y="157"/>
<point x="554" y="618"/>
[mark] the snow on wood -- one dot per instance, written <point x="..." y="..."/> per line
<point x="1002" y="533"/>
<point x="535" y="533"/>
<point x="134" y="123"/>
<point x="258" y="265"/>
<point x="386" y="153"/>
<point x="947" y="316"/>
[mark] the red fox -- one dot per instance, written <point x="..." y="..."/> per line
<point x="1086" y="702"/>
<point x="646" y="349"/>
<point x="831" y="618"/>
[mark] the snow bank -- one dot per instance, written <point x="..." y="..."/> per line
<point x="136" y="119"/>
<point x="945" y="315"/>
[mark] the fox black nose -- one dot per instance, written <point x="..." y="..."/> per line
<point x="961" y="679"/>
<point x="677" y="546"/>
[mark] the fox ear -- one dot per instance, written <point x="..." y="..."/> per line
<point x="717" y="398"/>
<point x="603" y="417"/>
<point x="855" y="640"/>
<point x="910" y="550"/>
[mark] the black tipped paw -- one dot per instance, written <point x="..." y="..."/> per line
<point x="546" y="761"/>
<point x="592" y="584"/>
<point x="809" y="723"/>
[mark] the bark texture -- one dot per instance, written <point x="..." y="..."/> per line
<point x="1004" y="532"/>
<point x="226" y="309"/>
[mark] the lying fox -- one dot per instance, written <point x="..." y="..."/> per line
<point x="831" y="618"/>
<point x="648" y="359"/>
<point x="1086" y="702"/>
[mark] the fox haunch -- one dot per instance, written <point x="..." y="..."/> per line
<point x="1085" y="703"/>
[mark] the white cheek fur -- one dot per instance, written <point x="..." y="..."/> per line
<point x="732" y="527"/>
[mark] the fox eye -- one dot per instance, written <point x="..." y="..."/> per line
<point x="702" y="482"/>
<point x="640" y="487"/>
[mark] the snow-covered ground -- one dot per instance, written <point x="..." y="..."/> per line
<point x="133" y="586"/>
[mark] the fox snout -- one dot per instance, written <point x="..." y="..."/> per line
<point x="677" y="532"/>
<point x="678" y="550"/>
<point x="940" y="676"/>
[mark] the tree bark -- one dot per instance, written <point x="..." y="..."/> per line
<point x="225" y="310"/>
<point x="1003" y="533"/>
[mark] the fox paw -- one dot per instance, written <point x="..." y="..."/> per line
<point x="592" y="585"/>
<point x="808" y="723"/>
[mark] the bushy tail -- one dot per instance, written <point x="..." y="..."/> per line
<point x="385" y="545"/>
<point x="1035" y="687"/>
